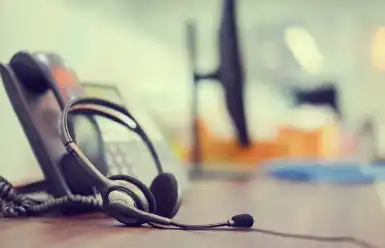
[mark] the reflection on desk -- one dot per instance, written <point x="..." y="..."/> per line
<point x="322" y="210"/>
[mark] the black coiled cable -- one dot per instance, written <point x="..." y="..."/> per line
<point x="14" y="204"/>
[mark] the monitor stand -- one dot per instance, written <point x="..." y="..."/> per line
<point x="197" y="170"/>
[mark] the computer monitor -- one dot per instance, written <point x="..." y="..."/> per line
<point x="321" y="96"/>
<point x="230" y="71"/>
<point x="230" y="75"/>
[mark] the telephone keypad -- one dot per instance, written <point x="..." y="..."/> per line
<point x="119" y="159"/>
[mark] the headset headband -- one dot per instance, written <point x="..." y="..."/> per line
<point x="89" y="105"/>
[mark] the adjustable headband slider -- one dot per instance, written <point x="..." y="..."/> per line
<point x="70" y="147"/>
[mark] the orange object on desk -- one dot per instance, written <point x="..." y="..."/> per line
<point x="291" y="142"/>
<point x="299" y="143"/>
<point x="318" y="143"/>
<point x="216" y="150"/>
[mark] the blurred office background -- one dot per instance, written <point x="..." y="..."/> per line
<point x="140" y="46"/>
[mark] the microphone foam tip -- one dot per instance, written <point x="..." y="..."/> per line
<point x="243" y="220"/>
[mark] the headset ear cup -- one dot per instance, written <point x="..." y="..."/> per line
<point x="146" y="191"/>
<point x="166" y="192"/>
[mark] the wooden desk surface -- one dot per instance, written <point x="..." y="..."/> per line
<point x="297" y="208"/>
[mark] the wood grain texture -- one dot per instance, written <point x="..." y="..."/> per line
<point x="325" y="210"/>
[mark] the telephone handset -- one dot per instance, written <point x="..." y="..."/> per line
<point x="39" y="85"/>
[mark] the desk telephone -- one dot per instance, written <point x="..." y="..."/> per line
<point x="39" y="86"/>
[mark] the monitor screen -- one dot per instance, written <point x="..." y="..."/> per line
<point x="325" y="95"/>
<point x="231" y="70"/>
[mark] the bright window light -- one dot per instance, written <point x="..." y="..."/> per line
<point x="378" y="49"/>
<point x="305" y="49"/>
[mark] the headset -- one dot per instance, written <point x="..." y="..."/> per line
<point x="126" y="198"/>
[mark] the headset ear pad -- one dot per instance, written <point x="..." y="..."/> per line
<point x="165" y="190"/>
<point x="146" y="191"/>
<point x="119" y="214"/>
<point x="29" y="72"/>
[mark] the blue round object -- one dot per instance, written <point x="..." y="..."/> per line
<point x="338" y="172"/>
